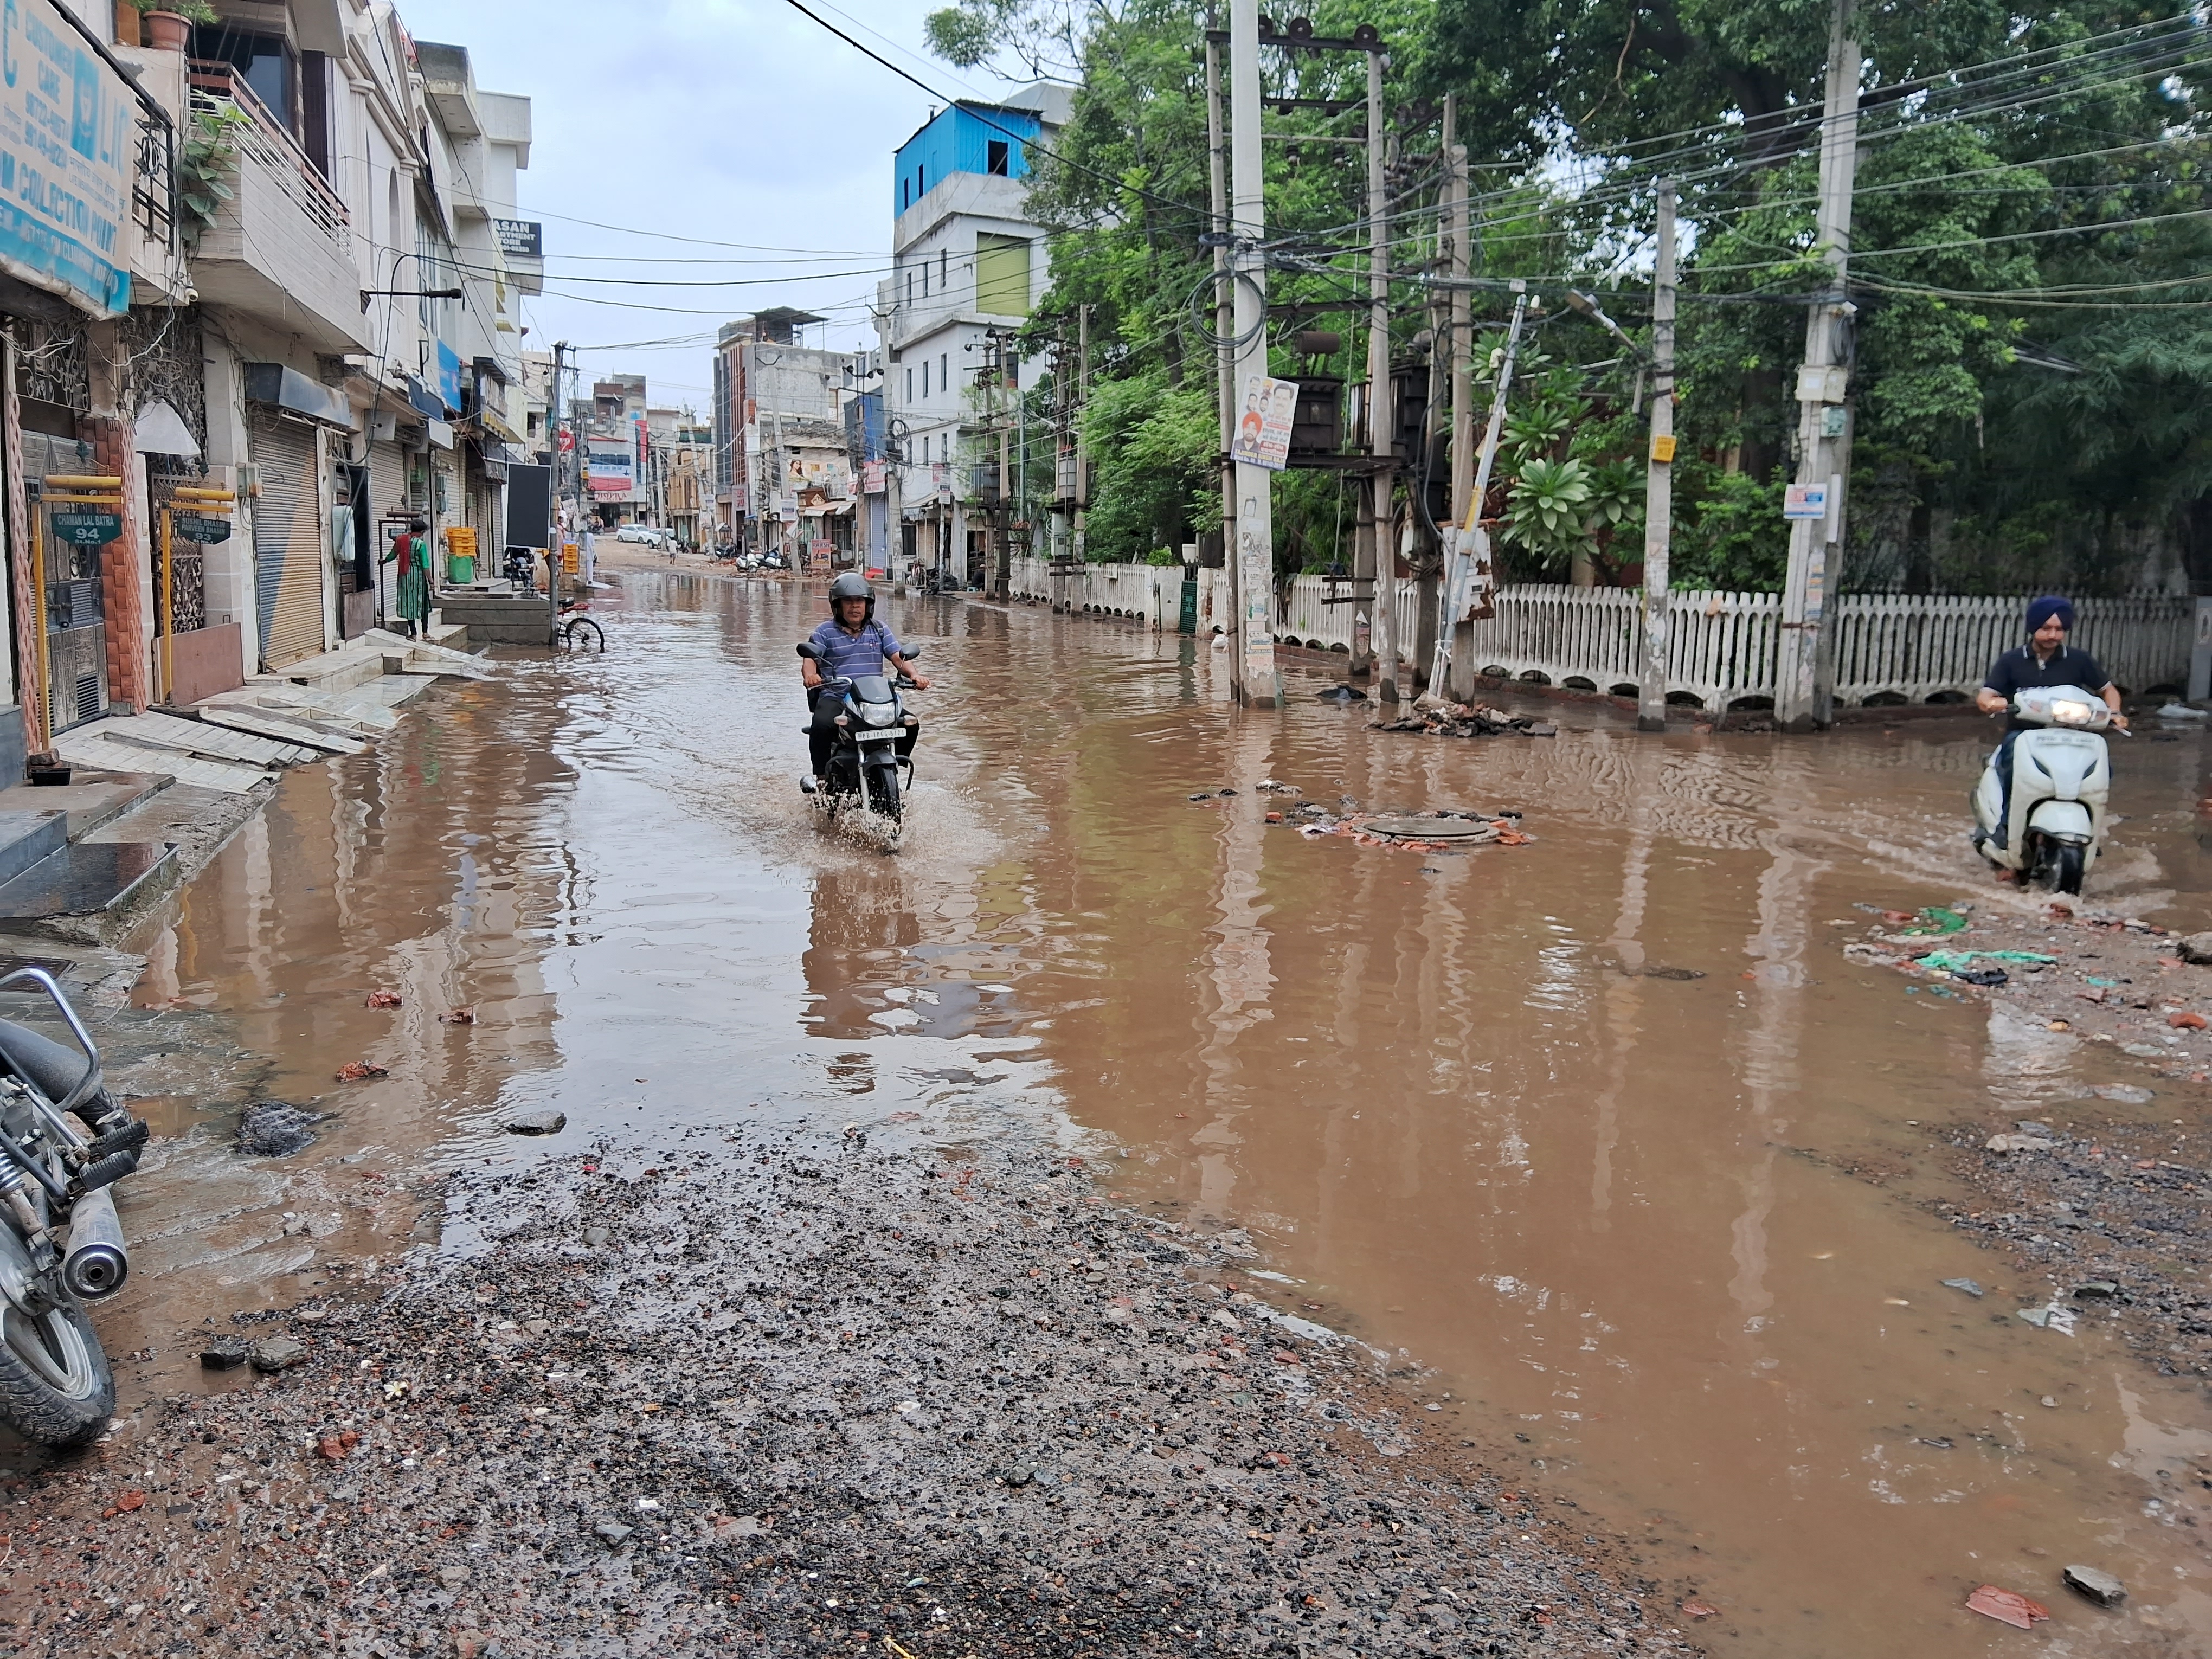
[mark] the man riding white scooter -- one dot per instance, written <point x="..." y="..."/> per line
<point x="2046" y="663"/>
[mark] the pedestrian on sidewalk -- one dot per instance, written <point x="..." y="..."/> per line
<point x="586" y="546"/>
<point x="412" y="597"/>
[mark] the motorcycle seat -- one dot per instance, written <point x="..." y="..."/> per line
<point x="43" y="1063"/>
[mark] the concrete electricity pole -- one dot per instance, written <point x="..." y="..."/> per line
<point x="1659" y="478"/>
<point x="1805" y="690"/>
<point x="1379" y="401"/>
<point x="1224" y="297"/>
<point x="1252" y="663"/>
<point x="1082" y="436"/>
<point x="1453" y="673"/>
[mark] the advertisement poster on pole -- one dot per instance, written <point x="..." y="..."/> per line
<point x="1805" y="501"/>
<point x="1263" y="424"/>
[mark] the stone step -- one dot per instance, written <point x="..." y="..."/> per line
<point x="92" y="800"/>
<point x="81" y="885"/>
<point x="27" y="837"/>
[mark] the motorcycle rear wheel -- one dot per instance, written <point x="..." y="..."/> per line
<point x="2066" y="865"/>
<point x="55" y="1385"/>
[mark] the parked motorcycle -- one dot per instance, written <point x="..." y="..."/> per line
<point x="864" y="759"/>
<point x="2061" y="776"/>
<point x="65" y="1142"/>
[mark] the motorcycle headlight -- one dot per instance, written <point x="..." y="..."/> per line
<point x="879" y="713"/>
<point x="2069" y="713"/>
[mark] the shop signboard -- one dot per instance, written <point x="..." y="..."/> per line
<point x="610" y="467"/>
<point x="68" y="152"/>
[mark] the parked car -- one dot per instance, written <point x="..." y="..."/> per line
<point x="643" y="532"/>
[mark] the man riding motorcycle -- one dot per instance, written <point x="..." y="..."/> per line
<point x="2044" y="660"/>
<point x="853" y="643"/>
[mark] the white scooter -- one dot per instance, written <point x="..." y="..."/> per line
<point x="2061" y="775"/>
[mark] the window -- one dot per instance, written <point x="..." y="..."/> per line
<point x="925" y="279"/>
<point x="920" y="189"/>
<point x="264" y="62"/>
<point x="945" y="269"/>
<point x="909" y="385"/>
<point x="944" y="370"/>
<point x="925" y="378"/>
<point x="905" y="184"/>
<point x="1002" y="275"/>
<point x="995" y="157"/>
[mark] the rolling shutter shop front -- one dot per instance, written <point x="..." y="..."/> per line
<point x="287" y="538"/>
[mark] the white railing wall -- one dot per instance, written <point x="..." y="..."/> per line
<point x="1723" y="648"/>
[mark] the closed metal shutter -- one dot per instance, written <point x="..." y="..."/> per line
<point x="387" y="483"/>
<point x="288" y="539"/>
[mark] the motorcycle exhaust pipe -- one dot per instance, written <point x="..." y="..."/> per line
<point x="98" y="1258"/>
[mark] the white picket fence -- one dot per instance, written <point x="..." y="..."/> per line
<point x="1722" y="649"/>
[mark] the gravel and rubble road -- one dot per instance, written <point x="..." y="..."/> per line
<point x="790" y="1393"/>
<point x="2100" y="1203"/>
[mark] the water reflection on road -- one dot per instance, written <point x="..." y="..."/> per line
<point x="1604" y="1209"/>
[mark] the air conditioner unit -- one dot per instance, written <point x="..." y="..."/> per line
<point x="383" y="426"/>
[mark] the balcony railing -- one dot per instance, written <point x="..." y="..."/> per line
<point x="269" y="142"/>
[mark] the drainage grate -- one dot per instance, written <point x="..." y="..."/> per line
<point x="87" y="697"/>
<point x="53" y="965"/>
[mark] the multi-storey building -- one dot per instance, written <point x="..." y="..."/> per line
<point x="968" y="264"/>
<point x="783" y="474"/>
<point x="332" y="339"/>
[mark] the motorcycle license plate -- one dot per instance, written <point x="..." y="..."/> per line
<point x="875" y="734"/>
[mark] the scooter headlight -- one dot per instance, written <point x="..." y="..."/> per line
<point x="2067" y="712"/>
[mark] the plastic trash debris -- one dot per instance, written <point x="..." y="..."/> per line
<point x="384" y="999"/>
<point x="2053" y="1315"/>
<point x="2128" y="1094"/>
<point x="1950" y="962"/>
<point x="2017" y="1143"/>
<point x="1972" y="1287"/>
<point x="2007" y="1607"/>
<point x="1991" y="977"/>
<point x="2098" y="1586"/>
<point x="1696" y="1609"/>
<point x="1342" y="694"/>
<point x="1938" y="919"/>
<point x="2181" y="711"/>
<point x="355" y="1071"/>
<point x="460" y="1016"/>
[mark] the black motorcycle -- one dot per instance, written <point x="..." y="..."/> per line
<point x="864" y="763"/>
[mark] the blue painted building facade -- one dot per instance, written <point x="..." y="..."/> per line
<point x="983" y="138"/>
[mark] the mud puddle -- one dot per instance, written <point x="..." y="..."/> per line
<point x="1606" y="1212"/>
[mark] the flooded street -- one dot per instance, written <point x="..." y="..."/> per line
<point x="1659" y="1243"/>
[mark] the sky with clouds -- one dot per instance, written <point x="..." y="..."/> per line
<point x="695" y="161"/>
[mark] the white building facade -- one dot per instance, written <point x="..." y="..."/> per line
<point x="968" y="266"/>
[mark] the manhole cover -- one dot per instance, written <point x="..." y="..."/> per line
<point x="1432" y="829"/>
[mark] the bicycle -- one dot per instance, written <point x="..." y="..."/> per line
<point x="580" y="633"/>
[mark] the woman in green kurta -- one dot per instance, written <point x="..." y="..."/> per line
<point x="412" y="597"/>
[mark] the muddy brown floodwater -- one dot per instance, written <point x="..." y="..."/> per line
<point x="1599" y="1217"/>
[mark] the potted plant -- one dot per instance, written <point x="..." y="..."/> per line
<point x="169" y="22"/>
